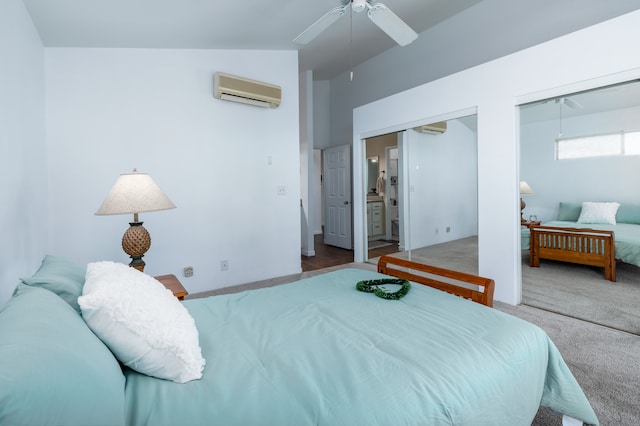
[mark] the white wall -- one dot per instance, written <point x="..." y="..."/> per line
<point x="23" y="211"/>
<point x="585" y="179"/>
<point x="306" y="164"/>
<point x="321" y="115"/>
<point x="321" y="139"/>
<point x="603" y="54"/>
<point x="443" y="182"/>
<point x="316" y="192"/>
<point x="110" y="110"/>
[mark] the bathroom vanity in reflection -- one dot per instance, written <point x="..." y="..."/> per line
<point x="375" y="201"/>
<point x="375" y="218"/>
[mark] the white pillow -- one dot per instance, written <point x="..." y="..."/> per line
<point x="142" y="322"/>
<point x="598" y="213"/>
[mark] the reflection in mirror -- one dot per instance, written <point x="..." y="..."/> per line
<point x="381" y="208"/>
<point x="575" y="148"/>
<point x="434" y="194"/>
<point x="373" y="169"/>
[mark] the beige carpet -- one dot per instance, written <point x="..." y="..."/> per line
<point x="460" y="255"/>
<point x="582" y="292"/>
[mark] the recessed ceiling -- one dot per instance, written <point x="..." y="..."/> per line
<point x="231" y="24"/>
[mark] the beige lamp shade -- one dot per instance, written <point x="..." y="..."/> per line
<point x="134" y="193"/>
<point x="525" y="189"/>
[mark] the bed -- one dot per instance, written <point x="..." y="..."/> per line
<point x="316" y="351"/>
<point x="599" y="241"/>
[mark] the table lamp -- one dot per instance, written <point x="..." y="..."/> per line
<point x="525" y="189"/>
<point x="135" y="193"/>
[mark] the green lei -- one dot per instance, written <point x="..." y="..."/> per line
<point x="373" y="286"/>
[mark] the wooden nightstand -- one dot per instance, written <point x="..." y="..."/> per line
<point x="529" y="224"/>
<point x="171" y="282"/>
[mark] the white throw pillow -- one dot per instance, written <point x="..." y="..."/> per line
<point x="598" y="213"/>
<point x="142" y="322"/>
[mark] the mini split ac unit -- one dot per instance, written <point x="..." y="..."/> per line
<point x="433" y="129"/>
<point x="239" y="89"/>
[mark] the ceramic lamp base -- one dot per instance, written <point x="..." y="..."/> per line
<point x="135" y="242"/>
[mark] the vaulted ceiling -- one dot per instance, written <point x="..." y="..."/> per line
<point x="263" y="24"/>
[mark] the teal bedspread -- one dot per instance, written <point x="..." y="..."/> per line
<point x="627" y="238"/>
<point x="318" y="352"/>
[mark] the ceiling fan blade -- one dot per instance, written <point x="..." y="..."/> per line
<point x="321" y="24"/>
<point x="389" y="22"/>
<point x="569" y="102"/>
<point x="572" y="104"/>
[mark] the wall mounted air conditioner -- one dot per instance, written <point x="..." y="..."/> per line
<point x="239" y="89"/>
<point x="433" y="128"/>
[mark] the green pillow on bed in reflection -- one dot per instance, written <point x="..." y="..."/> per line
<point x="569" y="211"/>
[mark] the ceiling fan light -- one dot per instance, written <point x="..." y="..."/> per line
<point x="389" y="22"/>
<point x="358" y="5"/>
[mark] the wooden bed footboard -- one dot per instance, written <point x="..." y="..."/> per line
<point x="575" y="245"/>
<point x="477" y="289"/>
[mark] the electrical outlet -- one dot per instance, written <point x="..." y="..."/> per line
<point x="282" y="190"/>
<point x="224" y="265"/>
<point x="448" y="229"/>
<point x="187" y="271"/>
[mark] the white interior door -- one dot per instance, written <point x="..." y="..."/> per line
<point x="337" y="194"/>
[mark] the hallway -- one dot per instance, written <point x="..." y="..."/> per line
<point x="327" y="256"/>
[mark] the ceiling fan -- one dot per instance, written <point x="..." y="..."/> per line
<point x="569" y="102"/>
<point x="379" y="14"/>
